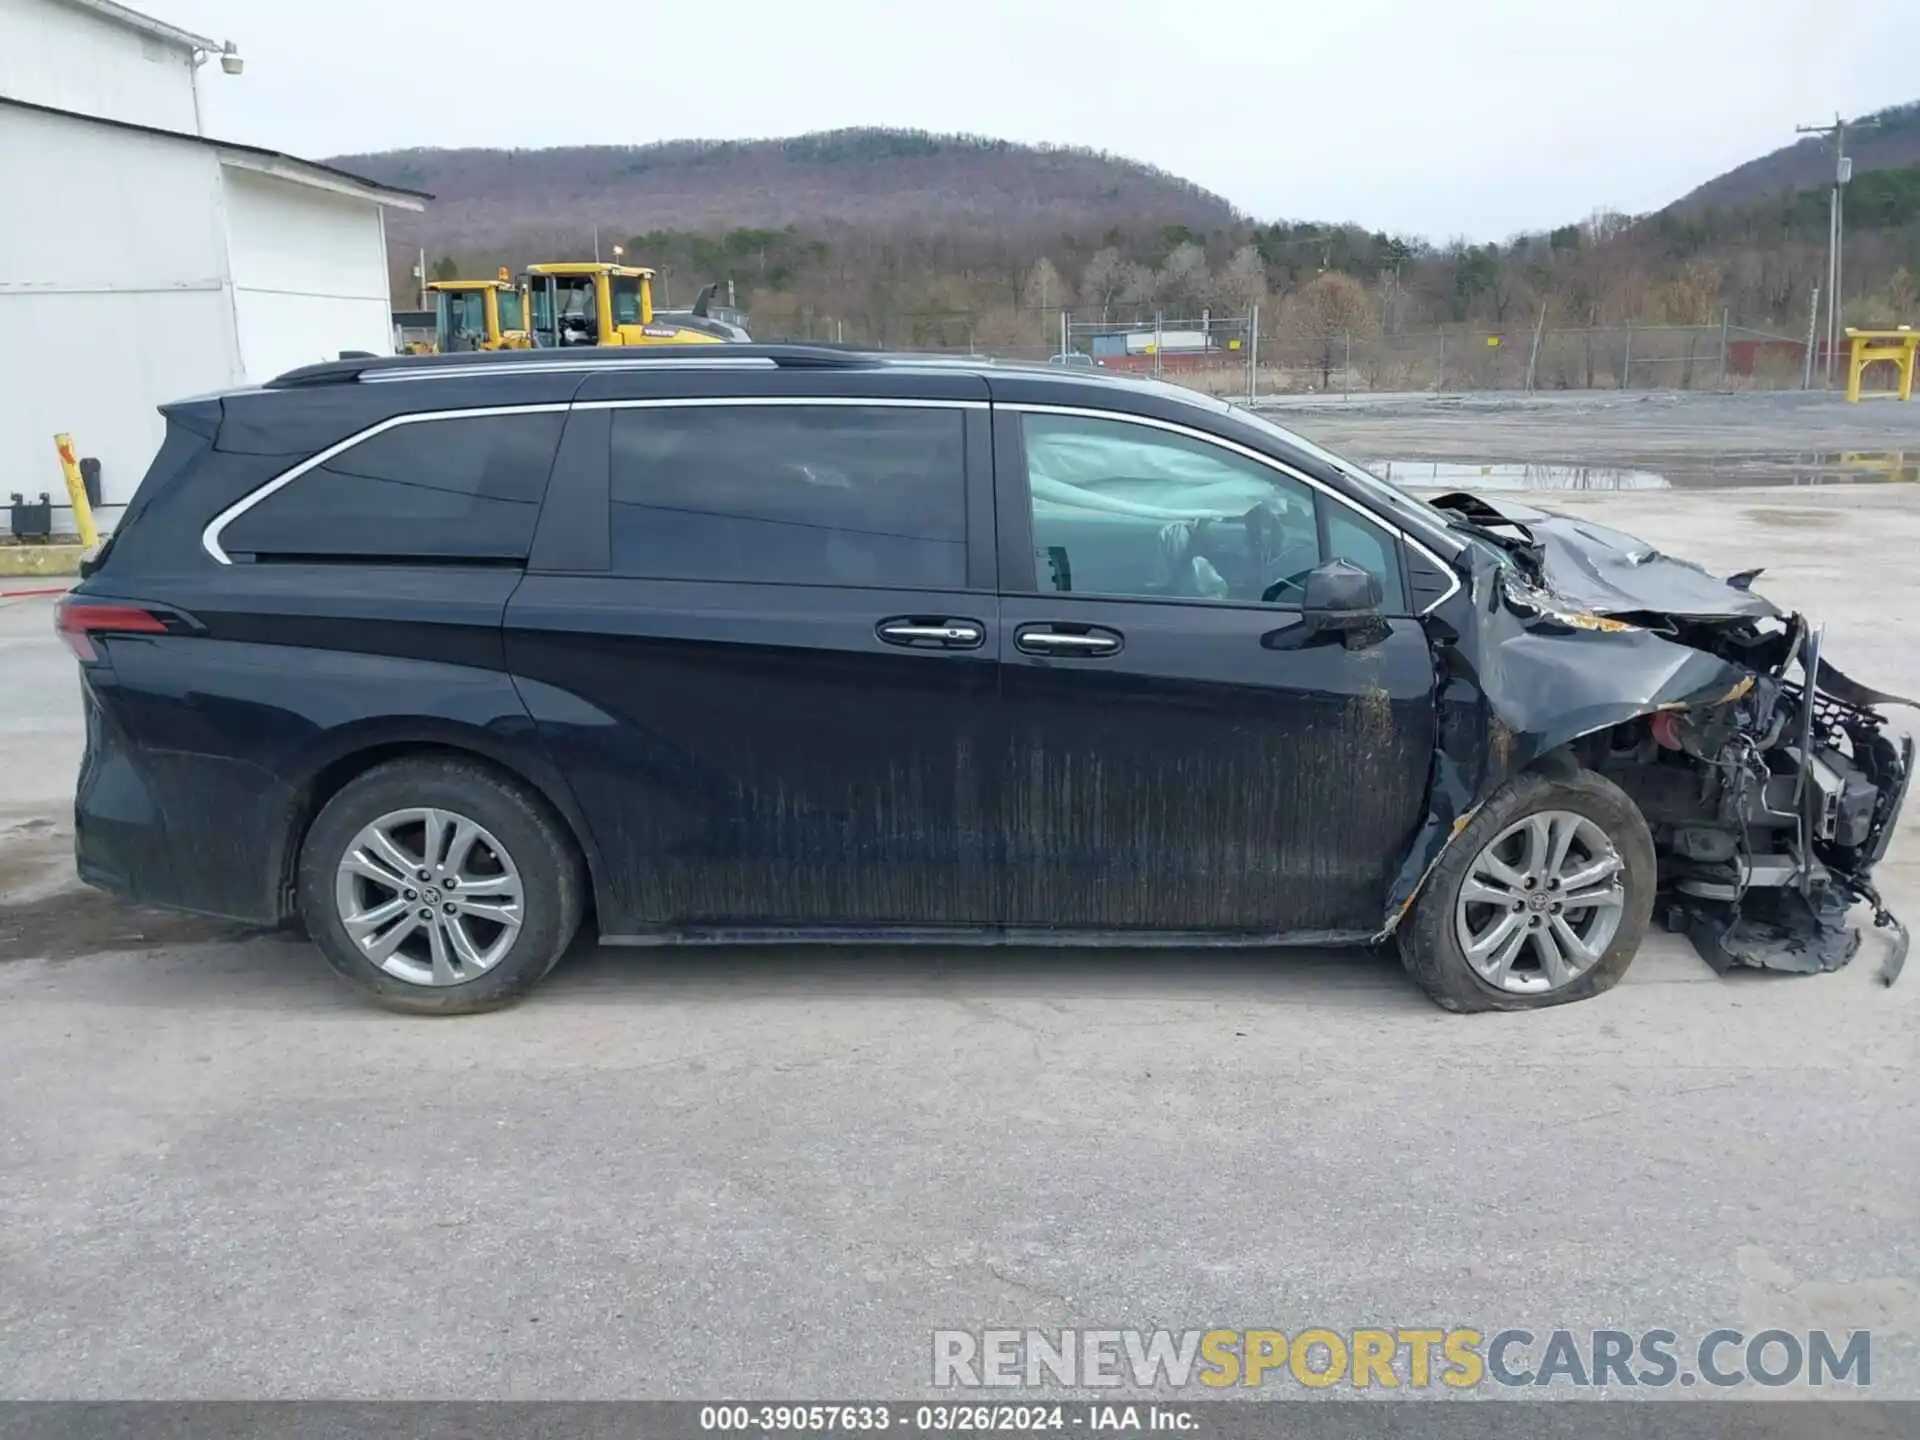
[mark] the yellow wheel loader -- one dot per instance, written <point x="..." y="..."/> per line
<point x="479" y="315"/>
<point x="587" y="303"/>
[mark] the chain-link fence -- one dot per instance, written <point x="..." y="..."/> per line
<point x="1268" y="351"/>
<point x="1208" y="350"/>
<point x="1247" y="357"/>
<point x="1626" y="357"/>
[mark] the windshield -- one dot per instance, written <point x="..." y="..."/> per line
<point x="626" y="300"/>
<point x="1384" y="491"/>
<point x="510" y="311"/>
<point x="1424" y="517"/>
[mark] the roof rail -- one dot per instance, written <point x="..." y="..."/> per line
<point x="350" y="367"/>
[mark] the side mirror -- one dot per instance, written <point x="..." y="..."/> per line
<point x="1339" y="595"/>
<point x="1338" y="600"/>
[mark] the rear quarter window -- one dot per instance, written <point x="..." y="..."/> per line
<point x="448" y="488"/>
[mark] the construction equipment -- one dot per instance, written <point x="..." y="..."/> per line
<point x="588" y="303"/>
<point x="726" y="321"/>
<point x="479" y="315"/>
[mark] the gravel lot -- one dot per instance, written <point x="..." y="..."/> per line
<point x="1687" y="440"/>
<point x="773" y="1174"/>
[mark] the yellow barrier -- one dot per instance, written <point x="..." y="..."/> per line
<point x="76" y="491"/>
<point x="1894" y="346"/>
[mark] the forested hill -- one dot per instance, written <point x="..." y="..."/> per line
<point x="869" y="180"/>
<point x="1891" y="143"/>
<point x="907" y="238"/>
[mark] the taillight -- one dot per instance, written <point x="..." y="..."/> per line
<point x="77" y="621"/>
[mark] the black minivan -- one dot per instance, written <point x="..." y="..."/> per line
<point x="441" y="655"/>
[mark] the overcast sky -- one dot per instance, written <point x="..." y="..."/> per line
<point x="1436" y="117"/>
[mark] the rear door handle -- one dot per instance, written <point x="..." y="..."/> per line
<point x="921" y="632"/>
<point x="1084" y="641"/>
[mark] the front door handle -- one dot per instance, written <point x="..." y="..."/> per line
<point x="935" y="633"/>
<point x="1084" y="641"/>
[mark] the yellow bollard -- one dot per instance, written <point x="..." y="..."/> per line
<point x="76" y="491"/>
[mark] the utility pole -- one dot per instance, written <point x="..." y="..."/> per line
<point x="1813" y="326"/>
<point x="1842" y="172"/>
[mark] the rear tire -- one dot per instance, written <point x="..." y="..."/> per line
<point x="390" y="914"/>
<point x="1518" y="929"/>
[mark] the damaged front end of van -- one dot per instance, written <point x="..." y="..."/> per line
<point x="1769" y="779"/>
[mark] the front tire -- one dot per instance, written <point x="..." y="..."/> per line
<point x="1542" y="900"/>
<point x="439" y="887"/>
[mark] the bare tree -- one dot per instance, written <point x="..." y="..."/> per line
<point x="1184" y="279"/>
<point x="1331" y="309"/>
<point x="1138" y="287"/>
<point x="1690" y="298"/>
<point x="1044" y="289"/>
<point x="1605" y="279"/>
<point x="1104" y="280"/>
<point x="1903" y="295"/>
<point x="1002" y="330"/>
<point x="1242" y="284"/>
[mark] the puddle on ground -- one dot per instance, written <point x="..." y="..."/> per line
<point x="1843" y="467"/>
<point x="1458" y="475"/>
<point x="1799" y="519"/>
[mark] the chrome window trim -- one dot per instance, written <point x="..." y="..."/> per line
<point x="864" y="402"/>
<point x="1192" y="433"/>
<point x="210" y="536"/>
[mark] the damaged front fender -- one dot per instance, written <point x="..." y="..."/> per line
<point x="1520" y="679"/>
<point x="1770" y="799"/>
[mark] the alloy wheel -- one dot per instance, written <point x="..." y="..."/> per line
<point x="1541" y="903"/>
<point x="429" y="896"/>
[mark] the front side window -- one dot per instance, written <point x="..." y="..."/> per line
<point x="790" y="494"/>
<point x="456" y="488"/>
<point x="1129" y="510"/>
<point x="510" y="318"/>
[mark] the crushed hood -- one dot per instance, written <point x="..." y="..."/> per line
<point x="1609" y="572"/>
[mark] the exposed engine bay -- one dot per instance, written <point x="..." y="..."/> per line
<point x="1769" y="811"/>
<point x="1768" y="777"/>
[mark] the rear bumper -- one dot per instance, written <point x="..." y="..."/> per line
<point x="179" y="831"/>
<point x="119" y="832"/>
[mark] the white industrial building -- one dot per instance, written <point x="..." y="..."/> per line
<point x="140" y="259"/>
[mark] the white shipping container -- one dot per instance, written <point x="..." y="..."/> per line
<point x="1141" y="342"/>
